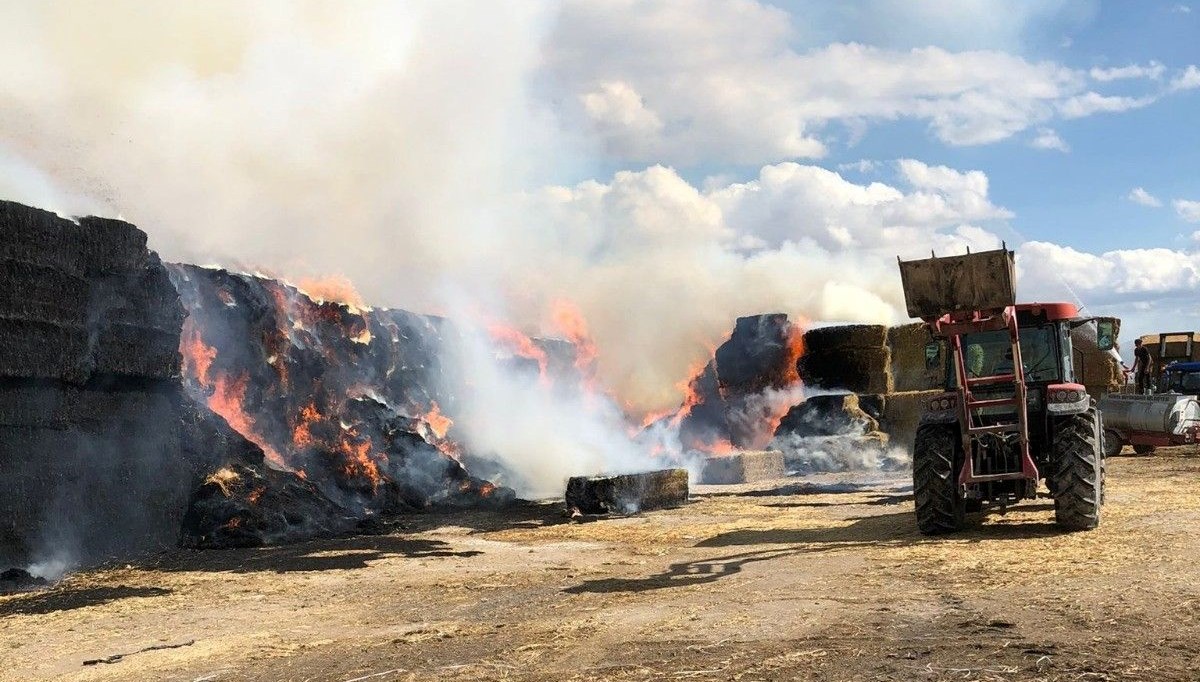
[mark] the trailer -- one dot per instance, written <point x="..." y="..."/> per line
<point x="1146" y="422"/>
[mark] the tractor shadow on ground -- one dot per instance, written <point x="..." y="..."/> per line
<point x="66" y="597"/>
<point x="882" y="530"/>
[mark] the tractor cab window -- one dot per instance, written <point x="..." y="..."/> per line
<point x="989" y="353"/>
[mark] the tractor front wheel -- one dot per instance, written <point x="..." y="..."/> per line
<point x="939" y="500"/>
<point x="1078" y="471"/>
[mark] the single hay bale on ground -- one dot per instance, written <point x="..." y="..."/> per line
<point x="859" y="370"/>
<point x="913" y="369"/>
<point x="902" y="414"/>
<point x="627" y="493"/>
<point x="839" y="338"/>
<point x="749" y="466"/>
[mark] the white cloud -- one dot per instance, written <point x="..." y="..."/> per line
<point x="1152" y="71"/>
<point x="725" y="82"/>
<point x="1139" y="195"/>
<point x="1090" y="103"/>
<point x="860" y="166"/>
<point x="1182" y="9"/>
<point x="1047" y="138"/>
<point x="1188" y="210"/>
<point x="1188" y="80"/>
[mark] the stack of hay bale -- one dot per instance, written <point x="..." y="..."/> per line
<point x="95" y="454"/>
<point x="854" y="357"/>
<point x="919" y="368"/>
<point x="893" y="369"/>
<point x="1099" y="371"/>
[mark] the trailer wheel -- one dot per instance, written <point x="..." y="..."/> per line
<point x="1144" y="449"/>
<point x="1078" y="471"/>
<point x="1113" y="443"/>
<point x="939" y="500"/>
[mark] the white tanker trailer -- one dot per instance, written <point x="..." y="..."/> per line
<point x="1148" y="421"/>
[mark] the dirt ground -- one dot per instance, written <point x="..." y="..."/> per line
<point x="817" y="578"/>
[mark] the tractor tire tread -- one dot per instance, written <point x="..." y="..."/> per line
<point x="1078" y="472"/>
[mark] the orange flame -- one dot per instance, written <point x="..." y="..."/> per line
<point x="334" y="289"/>
<point x="570" y="323"/>
<point x="358" y="460"/>
<point x="438" y="423"/>
<point x="197" y="356"/>
<point x="520" y="345"/>
<point x="227" y="400"/>
<point x="302" y="434"/>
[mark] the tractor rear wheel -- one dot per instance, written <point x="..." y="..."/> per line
<point x="939" y="500"/>
<point x="1143" y="449"/>
<point x="1078" y="471"/>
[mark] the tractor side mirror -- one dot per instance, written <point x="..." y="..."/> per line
<point x="1105" y="335"/>
<point x="933" y="351"/>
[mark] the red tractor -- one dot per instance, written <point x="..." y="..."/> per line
<point x="1013" y="414"/>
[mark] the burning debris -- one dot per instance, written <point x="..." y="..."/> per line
<point x="627" y="493"/>
<point x="348" y="406"/>
<point x="737" y="399"/>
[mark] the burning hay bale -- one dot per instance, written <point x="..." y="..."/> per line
<point x="743" y="467"/>
<point x="627" y="493"/>
<point x="836" y="433"/>
<point x="738" y="397"/>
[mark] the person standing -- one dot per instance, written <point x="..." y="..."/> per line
<point x="1141" y="367"/>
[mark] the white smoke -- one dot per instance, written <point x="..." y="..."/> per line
<point x="413" y="148"/>
<point x="541" y="432"/>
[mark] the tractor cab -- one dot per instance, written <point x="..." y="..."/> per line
<point x="1182" y="378"/>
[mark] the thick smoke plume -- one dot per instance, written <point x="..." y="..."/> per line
<point x="419" y="149"/>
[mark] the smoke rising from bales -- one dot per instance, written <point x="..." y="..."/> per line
<point x="418" y="149"/>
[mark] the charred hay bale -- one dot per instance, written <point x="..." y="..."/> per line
<point x="40" y="238"/>
<point x="100" y="475"/>
<point x="44" y="350"/>
<point x="144" y="298"/>
<point x="39" y="292"/>
<point x="627" y="493"/>
<point x="841" y="337"/>
<point x="53" y="405"/>
<point x="912" y="368"/>
<point x="859" y="370"/>
<point x="748" y="466"/>
<point x="246" y="505"/>
<point x="872" y="404"/>
<point x="110" y="245"/>
<point x="755" y="354"/>
<point x="827" y="415"/>
<point x="133" y="351"/>
<point x="902" y="414"/>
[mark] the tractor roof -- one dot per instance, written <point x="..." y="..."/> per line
<point x="1050" y="311"/>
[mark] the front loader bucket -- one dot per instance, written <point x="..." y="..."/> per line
<point x="953" y="284"/>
